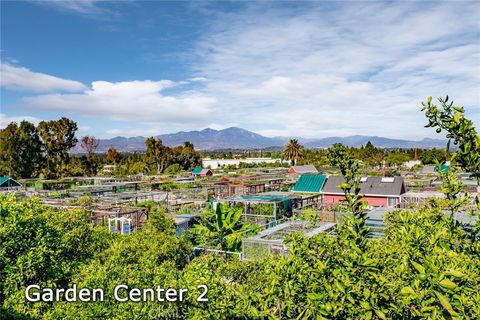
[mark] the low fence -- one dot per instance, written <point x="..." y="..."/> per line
<point x="199" y="250"/>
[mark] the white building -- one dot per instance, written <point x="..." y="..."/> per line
<point x="410" y="164"/>
<point x="218" y="163"/>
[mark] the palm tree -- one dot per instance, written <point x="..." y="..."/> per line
<point x="293" y="151"/>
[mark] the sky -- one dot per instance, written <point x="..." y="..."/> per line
<point x="300" y="69"/>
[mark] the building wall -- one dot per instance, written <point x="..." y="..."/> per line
<point x="216" y="163"/>
<point x="372" y="201"/>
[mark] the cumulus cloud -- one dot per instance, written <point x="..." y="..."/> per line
<point x="6" y="120"/>
<point x="134" y="101"/>
<point x="315" y="70"/>
<point x="22" y="79"/>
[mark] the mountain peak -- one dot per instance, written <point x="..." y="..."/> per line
<point x="238" y="138"/>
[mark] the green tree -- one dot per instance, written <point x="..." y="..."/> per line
<point x="173" y="169"/>
<point x="370" y="155"/>
<point x="41" y="246"/>
<point x="354" y="207"/>
<point x="8" y="155"/>
<point x="138" y="167"/>
<point x="156" y="152"/>
<point x="90" y="145"/>
<point x="293" y="151"/>
<point x="21" y="154"/>
<point x="460" y="131"/>
<point x="397" y="158"/>
<point x="452" y="189"/>
<point x="113" y="155"/>
<point x="58" y="138"/>
<point x="433" y="156"/>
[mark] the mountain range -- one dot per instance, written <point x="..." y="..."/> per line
<point x="237" y="138"/>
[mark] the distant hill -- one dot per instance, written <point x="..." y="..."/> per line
<point x="230" y="138"/>
<point x="237" y="138"/>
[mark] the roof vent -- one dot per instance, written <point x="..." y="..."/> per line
<point x="388" y="179"/>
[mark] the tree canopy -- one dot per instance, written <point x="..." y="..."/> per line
<point x="293" y="151"/>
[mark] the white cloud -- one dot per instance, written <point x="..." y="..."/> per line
<point x="22" y="79"/>
<point x="77" y="6"/>
<point x="143" y="132"/>
<point x="197" y="79"/>
<point x="320" y="69"/>
<point x="6" y="120"/>
<point x="83" y="129"/>
<point x="344" y="69"/>
<point x="139" y="102"/>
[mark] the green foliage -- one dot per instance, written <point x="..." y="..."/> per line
<point x="222" y="229"/>
<point x="354" y="217"/>
<point x="85" y="200"/>
<point x="139" y="260"/>
<point x="293" y="151"/>
<point x="426" y="266"/>
<point x="452" y="189"/>
<point x="20" y="150"/>
<point x="370" y="155"/>
<point x="157" y="220"/>
<point x="423" y="268"/>
<point x="309" y="215"/>
<point x="432" y="156"/>
<point x="113" y="155"/>
<point x="58" y="138"/>
<point x="138" y="167"/>
<point x="460" y="131"/>
<point x="155" y="152"/>
<point x="397" y="158"/>
<point x="315" y="157"/>
<point x="41" y="246"/>
<point x="173" y="169"/>
<point x="90" y="144"/>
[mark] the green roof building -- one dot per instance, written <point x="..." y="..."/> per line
<point x="197" y="171"/>
<point x="7" y="183"/>
<point x="310" y="183"/>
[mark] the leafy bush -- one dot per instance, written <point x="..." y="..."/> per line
<point x="426" y="267"/>
<point x="42" y="246"/>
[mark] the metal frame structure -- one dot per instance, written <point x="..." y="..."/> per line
<point x="271" y="241"/>
<point x="101" y="213"/>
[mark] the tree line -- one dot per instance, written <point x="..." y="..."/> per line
<point x="369" y="155"/>
<point x="29" y="151"/>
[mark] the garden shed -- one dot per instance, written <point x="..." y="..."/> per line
<point x="7" y="183"/>
<point x="199" y="172"/>
<point x="378" y="191"/>
<point x="303" y="169"/>
<point x="263" y="209"/>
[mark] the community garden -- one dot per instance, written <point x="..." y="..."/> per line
<point x="426" y="264"/>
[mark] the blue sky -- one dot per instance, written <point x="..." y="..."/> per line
<point x="309" y="69"/>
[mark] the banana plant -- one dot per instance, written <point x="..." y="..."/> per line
<point x="223" y="229"/>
